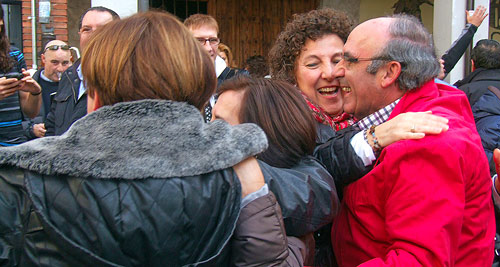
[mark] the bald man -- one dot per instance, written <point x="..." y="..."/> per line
<point x="56" y="58"/>
<point x="426" y="202"/>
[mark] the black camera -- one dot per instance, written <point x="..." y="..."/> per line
<point x="9" y="75"/>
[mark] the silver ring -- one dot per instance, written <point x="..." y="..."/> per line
<point x="412" y="128"/>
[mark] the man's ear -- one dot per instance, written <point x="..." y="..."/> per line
<point x="42" y="57"/>
<point x="473" y="66"/>
<point x="390" y="74"/>
<point x="93" y="102"/>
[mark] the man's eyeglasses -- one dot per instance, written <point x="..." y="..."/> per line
<point x="351" y="59"/>
<point x="55" y="47"/>
<point x="211" y="41"/>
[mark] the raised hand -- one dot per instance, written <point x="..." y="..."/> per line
<point x="477" y="17"/>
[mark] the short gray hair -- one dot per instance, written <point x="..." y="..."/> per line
<point x="411" y="45"/>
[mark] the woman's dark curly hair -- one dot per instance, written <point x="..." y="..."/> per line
<point x="311" y="25"/>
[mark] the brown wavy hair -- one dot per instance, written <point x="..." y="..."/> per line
<point x="224" y="48"/>
<point x="6" y="62"/>
<point x="149" y="55"/>
<point x="280" y="110"/>
<point x="311" y="25"/>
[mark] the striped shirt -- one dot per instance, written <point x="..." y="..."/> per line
<point x="11" y="129"/>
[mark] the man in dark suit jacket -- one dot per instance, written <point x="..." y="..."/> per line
<point x="70" y="101"/>
<point x="485" y="59"/>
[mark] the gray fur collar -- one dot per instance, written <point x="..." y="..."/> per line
<point x="141" y="139"/>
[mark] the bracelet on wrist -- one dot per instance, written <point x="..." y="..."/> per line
<point x="36" y="93"/>
<point x="376" y="146"/>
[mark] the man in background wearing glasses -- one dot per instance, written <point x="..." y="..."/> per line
<point x="56" y="58"/>
<point x="70" y="101"/>
<point x="206" y="30"/>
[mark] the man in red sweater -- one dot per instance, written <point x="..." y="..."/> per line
<point x="426" y="202"/>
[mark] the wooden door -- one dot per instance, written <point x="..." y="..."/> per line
<point x="250" y="27"/>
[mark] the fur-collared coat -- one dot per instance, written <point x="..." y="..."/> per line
<point x="138" y="183"/>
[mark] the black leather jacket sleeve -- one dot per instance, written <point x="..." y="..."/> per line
<point x="457" y="49"/>
<point x="340" y="159"/>
<point x="306" y="194"/>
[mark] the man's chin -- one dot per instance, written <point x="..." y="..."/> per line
<point x="348" y="110"/>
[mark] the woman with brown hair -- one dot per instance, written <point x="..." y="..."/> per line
<point x="226" y="54"/>
<point x="304" y="189"/>
<point x="278" y="109"/>
<point x="142" y="180"/>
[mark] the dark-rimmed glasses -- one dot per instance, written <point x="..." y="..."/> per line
<point x="55" y="47"/>
<point x="211" y="41"/>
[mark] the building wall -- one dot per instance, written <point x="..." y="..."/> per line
<point x="64" y="19"/>
<point x="250" y="27"/>
<point x="350" y="7"/>
<point x="369" y="9"/>
<point x="124" y="8"/>
<point x="75" y="11"/>
<point x="494" y="29"/>
<point x="58" y="22"/>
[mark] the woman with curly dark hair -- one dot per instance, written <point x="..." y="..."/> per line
<point x="19" y="93"/>
<point x="305" y="54"/>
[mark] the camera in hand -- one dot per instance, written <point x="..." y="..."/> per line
<point x="9" y="75"/>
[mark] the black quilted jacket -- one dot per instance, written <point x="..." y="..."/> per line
<point x="68" y="221"/>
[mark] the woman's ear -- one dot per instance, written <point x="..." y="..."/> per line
<point x="93" y="102"/>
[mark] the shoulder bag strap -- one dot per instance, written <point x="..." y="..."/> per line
<point x="494" y="90"/>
